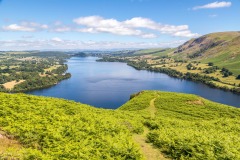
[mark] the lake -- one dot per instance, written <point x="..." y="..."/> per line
<point x="110" y="84"/>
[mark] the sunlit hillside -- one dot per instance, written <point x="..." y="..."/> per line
<point x="178" y="125"/>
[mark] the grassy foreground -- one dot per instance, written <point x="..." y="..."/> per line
<point x="179" y="126"/>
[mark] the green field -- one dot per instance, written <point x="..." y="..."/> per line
<point x="169" y="125"/>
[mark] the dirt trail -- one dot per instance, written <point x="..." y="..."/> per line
<point x="148" y="150"/>
<point x="152" y="109"/>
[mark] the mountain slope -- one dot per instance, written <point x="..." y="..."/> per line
<point x="220" y="48"/>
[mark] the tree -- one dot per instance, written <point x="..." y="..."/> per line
<point x="189" y="66"/>
<point x="226" y="72"/>
<point x="210" y="64"/>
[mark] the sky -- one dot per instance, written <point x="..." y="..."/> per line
<point x="111" y="24"/>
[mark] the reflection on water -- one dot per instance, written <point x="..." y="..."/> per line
<point x="109" y="85"/>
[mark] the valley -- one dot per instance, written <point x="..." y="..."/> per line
<point x="119" y="80"/>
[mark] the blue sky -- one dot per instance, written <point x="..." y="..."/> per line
<point x="111" y="24"/>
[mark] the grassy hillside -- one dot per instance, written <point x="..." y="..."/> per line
<point x="220" y="48"/>
<point x="155" y="51"/>
<point x="189" y="127"/>
<point x="48" y="128"/>
<point x="180" y="126"/>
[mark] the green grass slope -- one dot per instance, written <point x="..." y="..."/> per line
<point x="220" y="48"/>
<point x="154" y="51"/>
<point x="188" y="126"/>
<point x="50" y="128"/>
<point x="181" y="126"/>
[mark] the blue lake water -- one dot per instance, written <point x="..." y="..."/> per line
<point x="109" y="85"/>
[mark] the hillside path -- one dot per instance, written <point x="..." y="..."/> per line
<point x="148" y="150"/>
<point x="152" y="109"/>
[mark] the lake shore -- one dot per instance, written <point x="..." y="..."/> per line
<point x="109" y="85"/>
<point x="209" y="80"/>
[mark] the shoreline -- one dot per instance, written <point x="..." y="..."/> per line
<point x="195" y="77"/>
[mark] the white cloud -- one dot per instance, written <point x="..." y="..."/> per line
<point x="56" y="39"/>
<point x="44" y="26"/>
<point x="185" y="33"/>
<point x="87" y="30"/>
<point x="137" y="26"/>
<point x="26" y="27"/>
<point x="58" y="43"/>
<point x="16" y="27"/>
<point x="214" y="5"/>
<point x="140" y="22"/>
<point x="97" y="24"/>
<point x="97" y="21"/>
<point x="132" y="27"/>
<point x="150" y="35"/>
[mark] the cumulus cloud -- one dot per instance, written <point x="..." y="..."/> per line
<point x="214" y="5"/>
<point x="26" y="27"/>
<point x="137" y="26"/>
<point x="185" y="33"/>
<point x="139" y="22"/>
<point x="56" y="39"/>
<point x="97" y="24"/>
<point x="133" y="27"/>
<point x="16" y="27"/>
<point x="58" y="43"/>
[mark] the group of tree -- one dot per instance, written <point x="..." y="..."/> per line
<point x="212" y="69"/>
<point x="225" y="72"/>
<point x="35" y="72"/>
<point x="238" y="77"/>
<point x="190" y="66"/>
